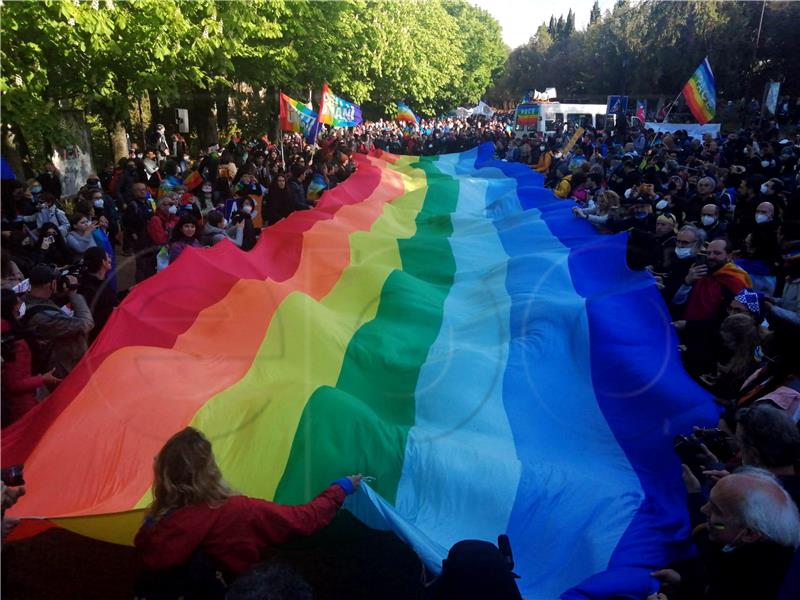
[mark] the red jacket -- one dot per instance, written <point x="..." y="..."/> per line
<point x="19" y="384"/>
<point x="233" y="534"/>
<point x="160" y="227"/>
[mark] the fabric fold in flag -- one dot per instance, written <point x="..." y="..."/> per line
<point x="443" y="324"/>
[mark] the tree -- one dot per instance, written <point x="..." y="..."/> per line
<point x="551" y="27"/>
<point x="594" y="15"/>
<point x="569" y="25"/>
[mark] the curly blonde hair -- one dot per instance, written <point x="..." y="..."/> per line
<point x="185" y="474"/>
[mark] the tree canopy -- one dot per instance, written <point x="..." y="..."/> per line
<point x="102" y="56"/>
<point x="652" y="47"/>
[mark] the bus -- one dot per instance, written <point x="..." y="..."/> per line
<point x="548" y="118"/>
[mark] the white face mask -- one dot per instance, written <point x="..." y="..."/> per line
<point x="206" y="190"/>
<point x="628" y="192"/>
<point x="21" y="310"/>
<point x="662" y="204"/>
<point x="248" y="209"/>
<point x="173" y="210"/>
<point x="708" y="220"/>
<point x="683" y="252"/>
<point x="98" y="204"/>
<point x="764" y="188"/>
<point x="224" y="223"/>
<point x="762" y="218"/>
<point x="541" y="148"/>
<point x="765" y="163"/>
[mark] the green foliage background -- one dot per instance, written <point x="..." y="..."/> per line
<point x="105" y="56"/>
<point x="652" y="47"/>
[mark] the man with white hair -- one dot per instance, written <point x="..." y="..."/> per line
<point x="746" y="546"/>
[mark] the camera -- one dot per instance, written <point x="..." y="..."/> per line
<point x="76" y="270"/>
<point x="688" y="449"/>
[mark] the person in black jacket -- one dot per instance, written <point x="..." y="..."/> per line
<point x="50" y="180"/>
<point x="94" y="288"/>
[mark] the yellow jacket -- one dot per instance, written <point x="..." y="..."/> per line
<point x="564" y="187"/>
<point x="545" y="160"/>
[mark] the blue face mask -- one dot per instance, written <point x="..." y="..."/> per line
<point x="639" y="214"/>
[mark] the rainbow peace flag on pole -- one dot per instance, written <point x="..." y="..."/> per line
<point x="404" y="113"/>
<point x="443" y="324"/>
<point x="701" y="93"/>
<point x="296" y="116"/>
<point x="338" y="112"/>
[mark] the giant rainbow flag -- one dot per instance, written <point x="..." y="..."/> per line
<point x="443" y="324"/>
<point x="701" y="93"/>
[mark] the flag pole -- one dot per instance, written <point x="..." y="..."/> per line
<point x="672" y="105"/>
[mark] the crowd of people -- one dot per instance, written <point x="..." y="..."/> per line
<point x="715" y="221"/>
<point x="717" y="224"/>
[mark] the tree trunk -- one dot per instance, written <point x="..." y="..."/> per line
<point x="222" y="107"/>
<point x="119" y="141"/>
<point x="205" y="118"/>
<point x="155" y="109"/>
<point x="11" y="154"/>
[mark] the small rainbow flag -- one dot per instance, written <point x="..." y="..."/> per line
<point x="193" y="180"/>
<point x="701" y="93"/>
<point x="528" y="115"/>
<point x="404" y="113"/>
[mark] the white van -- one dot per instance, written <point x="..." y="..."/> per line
<point x="552" y="115"/>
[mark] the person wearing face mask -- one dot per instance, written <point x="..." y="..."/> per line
<point x="712" y="222"/>
<point x="216" y="230"/>
<point x="58" y="336"/>
<point x="162" y="222"/>
<point x="688" y="243"/>
<point x="708" y="288"/>
<point x="206" y="197"/>
<point x="763" y="249"/>
<point x="704" y="195"/>
<point x="20" y="381"/>
<point x="50" y="180"/>
<point x="49" y="212"/>
<point x="746" y="545"/>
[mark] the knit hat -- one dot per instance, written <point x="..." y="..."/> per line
<point x="750" y="299"/>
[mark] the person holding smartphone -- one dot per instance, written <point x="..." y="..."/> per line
<point x="711" y="283"/>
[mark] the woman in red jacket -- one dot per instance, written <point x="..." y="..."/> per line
<point x="194" y="509"/>
<point x="19" y="383"/>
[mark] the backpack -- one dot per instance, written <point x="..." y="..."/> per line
<point x="41" y="347"/>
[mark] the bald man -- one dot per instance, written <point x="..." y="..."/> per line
<point x="704" y="194"/>
<point x="746" y="545"/>
<point x="712" y="222"/>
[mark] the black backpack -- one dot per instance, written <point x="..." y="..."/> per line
<point x="41" y="347"/>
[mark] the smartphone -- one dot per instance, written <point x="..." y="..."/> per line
<point x="700" y="259"/>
